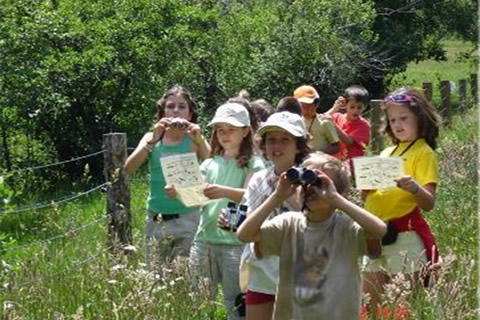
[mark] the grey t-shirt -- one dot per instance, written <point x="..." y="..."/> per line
<point x="319" y="266"/>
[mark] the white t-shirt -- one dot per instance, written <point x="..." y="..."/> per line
<point x="319" y="266"/>
<point x="260" y="275"/>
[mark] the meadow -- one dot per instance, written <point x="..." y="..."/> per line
<point x="55" y="263"/>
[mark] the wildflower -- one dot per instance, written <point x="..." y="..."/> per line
<point x="130" y="248"/>
<point x="112" y="281"/>
<point x="117" y="267"/>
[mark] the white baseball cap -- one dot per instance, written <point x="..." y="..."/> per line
<point x="286" y="121"/>
<point x="231" y="113"/>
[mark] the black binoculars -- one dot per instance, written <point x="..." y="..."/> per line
<point x="303" y="176"/>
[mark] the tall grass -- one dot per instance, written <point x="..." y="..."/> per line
<point x="77" y="277"/>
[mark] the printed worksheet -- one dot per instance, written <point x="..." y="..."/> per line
<point x="377" y="172"/>
<point x="183" y="172"/>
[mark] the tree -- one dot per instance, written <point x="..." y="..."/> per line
<point x="412" y="31"/>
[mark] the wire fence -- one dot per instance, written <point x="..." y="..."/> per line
<point x="53" y="203"/>
<point x="54" y="164"/>
<point x="69" y="233"/>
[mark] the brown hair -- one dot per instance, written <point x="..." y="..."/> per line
<point x="289" y="104"/>
<point x="262" y="109"/>
<point x="244" y="154"/>
<point x="182" y="92"/>
<point x="429" y="121"/>
<point x="332" y="167"/>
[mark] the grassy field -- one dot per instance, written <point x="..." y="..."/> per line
<point x="458" y="65"/>
<point x="74" y="276"/>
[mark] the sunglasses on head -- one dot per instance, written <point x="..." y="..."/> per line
<point x="398" y="98"/>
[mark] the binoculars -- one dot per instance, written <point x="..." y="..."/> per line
<point x="235" y="216"/>
<point x="303" y="176"/>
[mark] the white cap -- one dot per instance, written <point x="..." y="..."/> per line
<point x="231" y="113"/>
<point x="286" y="121"/>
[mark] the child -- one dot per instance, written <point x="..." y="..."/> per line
<point x="413" y="126"/>
<point x="318" y="248"/>
<point x="352" y="129"/>
<point x="215" y="254"/>
<point x="289" y="104"/>
<point x="284" y="142"/>
<point x="170" y="225"/>
<point x="324" y="135"/>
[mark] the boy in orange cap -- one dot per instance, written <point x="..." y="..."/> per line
<point x="323" y="132"/>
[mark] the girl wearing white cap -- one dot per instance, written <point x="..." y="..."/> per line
<point x="284" y="142"/>
<point x="170" y="225"/>
<point x="215" y="254"/>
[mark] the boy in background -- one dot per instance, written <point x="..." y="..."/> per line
<point x="352" y="129"/>
<point x="318" y="248"/>
<point x="322" y="130"/>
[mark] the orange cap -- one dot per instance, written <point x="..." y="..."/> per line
<point x="306" y="94"/>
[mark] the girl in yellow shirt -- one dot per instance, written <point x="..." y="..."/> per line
<point x="413" y="125"/>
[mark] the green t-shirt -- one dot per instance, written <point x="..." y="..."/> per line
<point x="158" y="201"/>
<point x="217" y="170"/>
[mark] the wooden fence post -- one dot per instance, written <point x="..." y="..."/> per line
<point x="376" y="139"/>
<point x="462" y="94"/>
<point x="445" y="101"/>
<point x="474" y="87"/>
<point x="118" y="190"/>
<point x="427" y="90"/>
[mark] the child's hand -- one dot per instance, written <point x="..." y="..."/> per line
<point x="158" y="129"/>
<point x="194" y="131"/>
<point x="327" y="190"/>
<point x="214" y="191"/>
<point x="222" y="222"/>
<point x="284" y="189"/>
<point x="339" y="103"/>
<point x="409" y="184"/>
<point x="170" y="190"/>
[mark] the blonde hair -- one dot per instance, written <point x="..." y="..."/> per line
<point x="332" y="167"/>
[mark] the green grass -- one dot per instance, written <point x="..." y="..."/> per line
<point x="76" y="277"/>
<point x="462" y="59"/>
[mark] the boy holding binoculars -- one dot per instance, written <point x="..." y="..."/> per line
<point x="319" y="247"/>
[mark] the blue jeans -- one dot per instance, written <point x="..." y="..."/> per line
<point x="214" y="264"/>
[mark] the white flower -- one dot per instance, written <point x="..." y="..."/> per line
<point x="130" y="248"/>
<point x="112" y="281"/>
<point x="117" y="267"/>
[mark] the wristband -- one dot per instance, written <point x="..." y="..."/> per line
<point x="198" y="139"/>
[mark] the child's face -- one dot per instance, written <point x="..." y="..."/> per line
<point x="230" y="137"/>
<point x="176" y="106"/>
<point x="308" y="110"/>
<point x="281" y="149"/>
<point x="354" y="109"/>
<point x="402" y="121"/>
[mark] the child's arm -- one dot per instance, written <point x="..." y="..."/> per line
<point x="249" y="231"/>
<point x="374" y="227"/>
<point x="343" y="136"/>
<point x="145" y="146"/>
<point x="339" y="104"/>
<point x="216" y="191"/>
<point x="424" y="195"/>
<point x="200" y="144"/>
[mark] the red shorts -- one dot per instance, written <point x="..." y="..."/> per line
<point x="258" y="297"/>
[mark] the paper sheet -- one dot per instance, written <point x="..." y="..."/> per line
<point x="377" y="172"/>
<point x="183" y="172"/>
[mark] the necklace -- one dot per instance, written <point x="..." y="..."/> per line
<point x="406" y="149"/>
